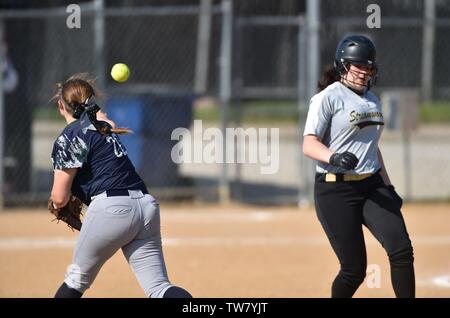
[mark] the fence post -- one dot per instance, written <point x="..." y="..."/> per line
<point x="2" y="128"/>
<point x="313" y="60"/>
<point x="409" y="100"/>
<point x="204" y="36"/>
<point x="428" y="50"/>
<point x="99" y="42"/>
<point x="225" y="91"/>
<point x="302" y="105"/>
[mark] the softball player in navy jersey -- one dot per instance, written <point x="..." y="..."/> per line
<point x="352" y="187"/>
<point x="121" y="213"/>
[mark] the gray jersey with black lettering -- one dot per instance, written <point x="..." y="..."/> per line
<point x="346" y="121"/>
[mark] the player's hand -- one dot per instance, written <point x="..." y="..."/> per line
<point x="103" y="116"/>
<point x="345" y="160"/>
<point x="398" y="199"/>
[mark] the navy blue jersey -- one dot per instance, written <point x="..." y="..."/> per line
<point x="102" y="161"/>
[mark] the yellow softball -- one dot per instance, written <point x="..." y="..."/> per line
<point x="120" y="72"/>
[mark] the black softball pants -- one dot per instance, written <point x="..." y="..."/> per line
<point x="342" y="209"/>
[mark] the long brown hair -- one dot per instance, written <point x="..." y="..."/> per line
<point x="75" y="91"/>
<point x="329" y="76"/>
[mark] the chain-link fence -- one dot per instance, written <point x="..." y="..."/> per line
<point x="159" y="44"/>
<point x="412" y="74"/>
<point x="229" y="64"/>
<point x="412" y="43"/>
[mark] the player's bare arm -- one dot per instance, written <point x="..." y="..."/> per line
<point x="315" y="149"/>
<point x="62" y="181"/>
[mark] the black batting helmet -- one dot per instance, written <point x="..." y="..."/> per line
<point x="355" y="49"/>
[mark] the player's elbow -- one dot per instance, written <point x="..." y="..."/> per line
<point x="305" y="149"/>
<point x="103" y="116"/>
<point x="113" y="124"/>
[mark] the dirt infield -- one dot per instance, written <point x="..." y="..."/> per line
<point x="233" y="251"/>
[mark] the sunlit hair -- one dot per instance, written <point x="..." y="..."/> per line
<point x="75" y="91"/>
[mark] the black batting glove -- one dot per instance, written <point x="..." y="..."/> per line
<point x="398" y="199"/>
<point x="345" y="160"/>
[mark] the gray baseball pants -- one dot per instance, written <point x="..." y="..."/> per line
<point x="131" y="223"/>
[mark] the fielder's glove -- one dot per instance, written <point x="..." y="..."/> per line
<point x="345" y="160"/>
<point x="70" y="213"/>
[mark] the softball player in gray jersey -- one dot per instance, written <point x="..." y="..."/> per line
<point x="352" y="187"/>
<point x="121" y="213"/>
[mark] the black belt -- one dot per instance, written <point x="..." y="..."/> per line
<point x="342" y="177"/>
<point x="123" y="192"/>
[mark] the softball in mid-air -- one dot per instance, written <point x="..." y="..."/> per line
<point x="120" y="72"/>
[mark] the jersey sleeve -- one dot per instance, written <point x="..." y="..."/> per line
<point x="69" y="152"/>
<point x="319" y="116"/>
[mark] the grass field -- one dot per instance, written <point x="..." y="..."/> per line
<point x="231" y="251"/>
<point x="275" y="111"/>
<point x="438" y="112"/>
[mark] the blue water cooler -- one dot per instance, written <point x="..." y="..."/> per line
<point x="152" y="118"/>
